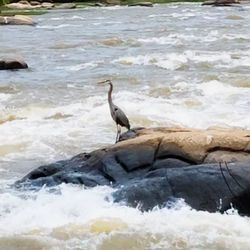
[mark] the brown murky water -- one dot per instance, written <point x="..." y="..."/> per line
<point x="171" y="65"/>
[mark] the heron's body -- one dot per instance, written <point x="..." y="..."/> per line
<point x="117" y="114"/>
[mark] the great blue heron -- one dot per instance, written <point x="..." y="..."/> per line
<point x="117" y="114"/>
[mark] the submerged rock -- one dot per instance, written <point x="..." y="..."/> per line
<point x="151" y="167"/>
<point x="12" y="64"/>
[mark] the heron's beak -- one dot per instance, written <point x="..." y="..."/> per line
<point x="100" y="82"/>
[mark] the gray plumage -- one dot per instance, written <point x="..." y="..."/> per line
<point x="116" y="113"/>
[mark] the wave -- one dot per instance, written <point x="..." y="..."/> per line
<point x="178" y="38"/>
<point x="60" y="26"/>
<point x="179" y="61"/>
<point x="72" y="217"/>
<point x="181" y="39"/>
<point x="170" y="61"/>
<point x="80" y="66"/>
<point x="51" y="133"/>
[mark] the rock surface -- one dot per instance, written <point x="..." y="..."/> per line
<point x="21" y="5"/>
<point x="12" y="64"/>
<point x="152" y="167"/>
<point x="142" y="4"/>
<point x="221" y="2"/>
<point x="16" y="20"/>
<point x="66" y="6"/>
<point x="111" y="2"/>
<point x="47" y="5"/>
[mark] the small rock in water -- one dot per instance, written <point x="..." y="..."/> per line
<point x="112" y="2"/>
<point x="20" y="5"/>
<point x="16" y="20"/>
<point x="66" y="6"/>
<point x="12" y="64"/>
<point x="143" y="4"/>
<point x="221" y="2"/>
<point x="47" y="5"/>
<point x="35" y="3"/>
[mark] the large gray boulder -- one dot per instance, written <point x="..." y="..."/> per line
<point x="154" y="167"/>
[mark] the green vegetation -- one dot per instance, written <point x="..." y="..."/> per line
<point x="12" y="12"/>
<point x="128" y="2"/>
<point x="3" y="2"/>
<point x="4" y="11"/>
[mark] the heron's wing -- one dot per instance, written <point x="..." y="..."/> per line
<point x="121" y="118"/>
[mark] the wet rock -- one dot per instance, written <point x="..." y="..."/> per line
<point x="35" y="3"/>
<point x="24" y="2"/>
<point x="20" y="5"/>
<point x="96" y="4"/>
<point x="221" y="2"/>
<point x="151" y="167"/>
<point x="12" y="64"/>
<point x="202" y="187"/>
<point x="47" y="5"/>
<point x="143" y="4"/>
<point x="111" y="2"/>
<point x="66" y="6"/>
<point x="16" y="20"/>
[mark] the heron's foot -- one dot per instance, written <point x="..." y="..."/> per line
<point x="117" y="138"/>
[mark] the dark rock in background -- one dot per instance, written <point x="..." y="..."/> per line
<point x="12" y="64"/>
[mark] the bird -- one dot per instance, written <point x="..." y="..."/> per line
<point x="117" y="114"/>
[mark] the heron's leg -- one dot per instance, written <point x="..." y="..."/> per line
<point x="118" y="133"/>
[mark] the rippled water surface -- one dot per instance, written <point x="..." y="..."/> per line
<point x="171" y="65"/>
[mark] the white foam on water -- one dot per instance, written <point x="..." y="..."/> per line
<point x="115" y="7"/>
<point x="75" y="17"/>
<point x="39" y="132"/>
<point x="171" y="61"/>
<point x="60" y="26"/>
<point x="161" y="40"/>
<point x="4" y="97"/>
<point x="73" y="216"/>
<point x="80" y="66"/>
<point x="158" y="15"/>
<point x="231" y="36"/>
<point x="202" y="56"/>
<point x="179" y="38"/>
<point x="51" y="133"/>
<point x="175" y="61"/>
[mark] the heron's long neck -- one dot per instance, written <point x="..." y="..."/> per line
<point x="110" y="93"/>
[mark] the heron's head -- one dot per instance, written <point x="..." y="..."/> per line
<point x="105" y="81"/>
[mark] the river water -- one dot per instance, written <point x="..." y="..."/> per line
<point x="177" y="64"/>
